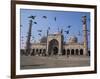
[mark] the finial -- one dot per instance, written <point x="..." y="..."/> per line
<point x="84" y="19"/>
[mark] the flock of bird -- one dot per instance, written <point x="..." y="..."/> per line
<point x="45" y="17"/>
<point x="67" y="31"/>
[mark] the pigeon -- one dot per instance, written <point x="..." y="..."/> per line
<point x="45" y="17"/>
<point x="67" y="32"/>
<point x="39" y="30"/>
<point x="69" y="26"/>
<point x="39" y="34"/>
<point x="33" y="17"/>
<point x="35" y="22"/>
<point x="55" y="18"/>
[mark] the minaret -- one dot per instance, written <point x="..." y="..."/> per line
<point x="47" y="43"/>
<point x="28" y="44"/>
<point x="85" y="38"/>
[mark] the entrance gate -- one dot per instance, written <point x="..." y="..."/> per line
<point x="53" y="47"/>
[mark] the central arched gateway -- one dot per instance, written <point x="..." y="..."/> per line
<point x="53" y="47"/>
<point x="54" y="44"/>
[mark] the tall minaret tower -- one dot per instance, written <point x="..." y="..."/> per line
<point x="85" y="38"/>
<point x="28" y="44"/>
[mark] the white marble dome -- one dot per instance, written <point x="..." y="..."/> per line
<point x="43" y="39"/>
<point x="73" y="39"/>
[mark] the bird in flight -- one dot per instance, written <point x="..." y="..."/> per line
<point x="33" y="17"/>
<point x="45" y="17"/>
<point x="67" y="32"/>
<point x="39" y="34"/>
<point x="39" y="30"/>
<point x="69" y="26"/>
<point x="35" y="22"/>
<point x="55" y="18"/>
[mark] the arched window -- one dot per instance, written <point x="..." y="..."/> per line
<point x="72" y="52"/>
<point x="22" y="52"/>
<point x="33" y="52"/>
<point x="77" y="52"/>
<point x="40" y="51"/>
<point x="64" y="52"/>
<point x="44" y="50"/>
<point x="81" y="51"/>
<point x="68" y="52"/>
<point x="36" y="50"/>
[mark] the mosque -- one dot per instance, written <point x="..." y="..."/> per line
<point x="53" y="44"/>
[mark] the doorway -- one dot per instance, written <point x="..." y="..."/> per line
<point x="55" y="50"/>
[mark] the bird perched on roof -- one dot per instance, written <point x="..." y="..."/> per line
<point x="32" y="17"/>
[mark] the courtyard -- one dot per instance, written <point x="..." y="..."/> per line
<point x="37" y="62"/>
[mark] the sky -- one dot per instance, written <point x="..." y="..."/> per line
<point x="63" y="20"/>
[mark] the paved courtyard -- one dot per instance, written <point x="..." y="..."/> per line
<point x="34" y="62"/>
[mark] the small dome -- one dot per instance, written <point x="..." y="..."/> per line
<point x="73" y="39"/>
<point x="43" y="40"/>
